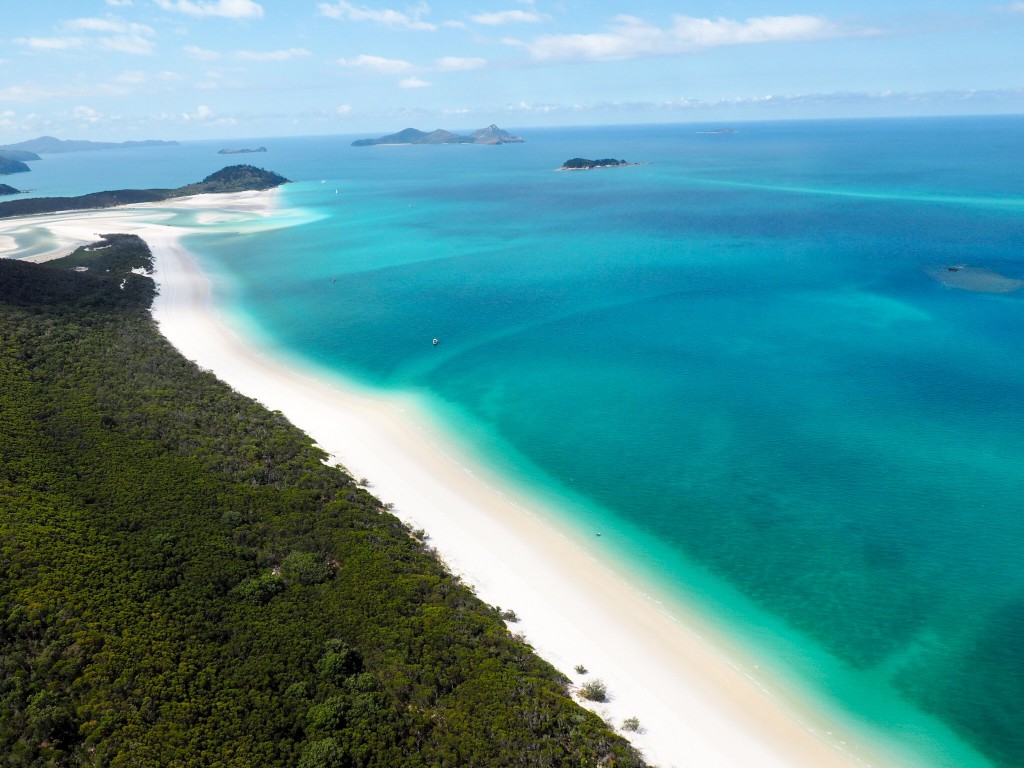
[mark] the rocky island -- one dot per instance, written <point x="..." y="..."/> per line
<point x="492" y="134"/>
<point x="233" y="178"/>
<point x="241" y="151"/>
<point x="582" y="164"/>
<point x="6" y="189"/>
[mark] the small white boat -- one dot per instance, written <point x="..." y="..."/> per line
<point x="436" y="342"/>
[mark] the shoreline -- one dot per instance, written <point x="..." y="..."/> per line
<point x="696" y="708"/>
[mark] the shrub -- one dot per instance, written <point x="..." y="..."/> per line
<point x="631" y="724"/>
<point x="259" y="589"/>
<point x="594" y="690"/>
<point x="580" y="669"/>
<point x="322" y="754"/>
<point x="305" y="568"/>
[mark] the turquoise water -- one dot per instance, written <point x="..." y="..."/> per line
<point x="733" y="359"/>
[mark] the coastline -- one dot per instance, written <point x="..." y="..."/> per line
<point x="696" y="707"/>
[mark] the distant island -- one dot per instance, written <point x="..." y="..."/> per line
<point x="241" y="151"/>
<point x="49" y="144"/>
<point x="18" y="154"/>
<point x="233" y="178"/>
<point x="719" y="131"/>
<point x="9" y="190"/>
<point x="582" y="164"/>
<point x="492" y="134"/>
<point x="12" y="166"/>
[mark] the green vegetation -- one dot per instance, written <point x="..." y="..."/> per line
<point x="234" y="178"/>
<point x="184" y="582"/>
<point x="631" y="724"/>
<point x="582" y="164"/>
<point x="594" y="690"/>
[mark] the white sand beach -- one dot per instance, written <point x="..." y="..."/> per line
<point x="695" y="705"/>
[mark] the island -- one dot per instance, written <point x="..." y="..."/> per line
<point x="233" y="178"/>
<point x="582" y="164"/>
<point x="6" y="189"/>
<point x="12" y="166"/>
<point x="719" y="132"/>
<point x="241" y="151"/>
<point x="492" y="134"/>
<point x="19" y="154"/>
<point x="50" y="144"/>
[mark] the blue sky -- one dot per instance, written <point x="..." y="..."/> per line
<point x="194" y="69"/>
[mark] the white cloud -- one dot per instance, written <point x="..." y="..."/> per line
<point x="120" y="3"/>
<point x="230" y="9"/>
<point x="459" y="64"/>
<point x="124" y="37"/>
<point x="498" y="18"/>
<point x="51" y="43"/>
<point x="377" y="64"/>
<point x="411" y="19"/>
<point x="133" y="44"/>
<point x="343" y="109"/>
<point x="1017" y="7"/>
<point x="87" y="114"/>
<point x="201" y="53"/>
<point x="631" y="37"/>
<point x="133" y="77"/>
<point x="110" y="25"/>
<point x="280" y="55"/>
<point x="414" y="82"/>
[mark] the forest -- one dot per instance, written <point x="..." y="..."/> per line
<point x="185" y="581"/>
<point x="232" y="178"/>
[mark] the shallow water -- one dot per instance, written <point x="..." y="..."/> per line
<point x="735" y="360"/>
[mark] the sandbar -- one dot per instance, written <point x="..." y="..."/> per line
<point x="697" y="705"/>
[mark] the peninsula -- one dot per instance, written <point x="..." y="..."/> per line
<point x="492" y="134"/>
<point x="233" y="178"/>
<point x="6" y="189"/>
<point x="50" y="144"/>
<point x="12" y="166"/>
<point x="188" y="580"/>
<point x="582" y="164"/>
<point x="19" y="154"/>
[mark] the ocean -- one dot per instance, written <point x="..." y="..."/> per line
<point x="780" y="369"/>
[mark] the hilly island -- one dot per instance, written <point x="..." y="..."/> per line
<point x="492" y="134"/>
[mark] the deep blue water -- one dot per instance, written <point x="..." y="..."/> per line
<point x="734" y="359"/>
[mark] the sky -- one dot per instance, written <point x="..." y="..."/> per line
<point x="115" y="70"/>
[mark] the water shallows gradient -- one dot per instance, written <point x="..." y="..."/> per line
<point x="733" y="360"/>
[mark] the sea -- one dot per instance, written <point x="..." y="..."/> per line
<point x="779" y="365"/>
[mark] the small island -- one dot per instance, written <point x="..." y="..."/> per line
<point x="492" y="134"/>
<point x="6" y="189"/>
<point x="233" y="178"/>
<point x="582" y="164"/>
<point x="241" y="151"/>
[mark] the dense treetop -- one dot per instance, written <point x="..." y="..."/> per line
<point x="185" y="582"/>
